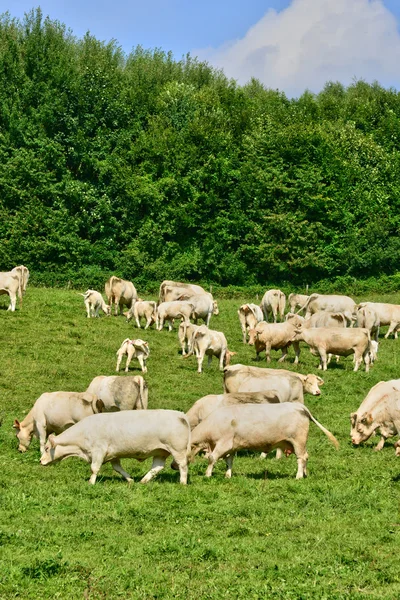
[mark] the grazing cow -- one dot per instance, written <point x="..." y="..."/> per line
<point x="146" y="309"/>
<point x="275" y="336"/>
<point x="186" y="332"/>
<point x="338" y="341"/>
<point x="135" y="434"/>
<point x="133" y="349"/>
<point x="120" y="292"/>
<point x="120" y="393"/>
<point x="210" y="343"/>
<point x="242" y="378"/>
<point x="94" y="302"/>
<point x="332" y="303"/>
<point x="188" y="288"/>
<point x="249" y="316"/>
<point x="368" y="319"/>
<point x="203" y="307"/>
<point x="206" y="405"/>
<point x="10" y="283"/>
<point x="53" y="412"/>
<point x="168" y="311"/>
<point x="273" y="301"/>
<point x="261" y="427"/>
<point x="296" y="300"/>
<point x="388" y="314"/>
<point x="379" y="411"/>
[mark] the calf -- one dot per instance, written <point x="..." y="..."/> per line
<point x="249" y="316"/>
<point x="94" y="302"/>
<point x="168" y="311"/>
<point x="342" y="342"/>
<point x="120" y="393"/>
<point x="131" y="434"/>
<point x="53" y="412"/>
<point x="133" y="349"/>
<point x="379" y="411"/>
<point x="261" y="427"/>
<point x="275" y="336"/>
<point x="210" y="343"/>
<point x="146" y="309"/>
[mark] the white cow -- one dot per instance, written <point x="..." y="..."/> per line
<point x="186" y="332"/>
<point x="133" y="349"/>
<point x="189" y="288"/>
<point x="249" y="316"/>
<point x="296" y="300"/>
<point x="204" y="306"/>
<point x="275" y="336"/>
<point x="53" y="412"/>
<point x="119" y="292"/>
<point x="379" y="411"/>
<point x="338" y="341"/>
<point x="332" y="303"/>
<point x="368" y="318"/>
<point x="260" y="427"/>
<point x="211" y="343"/>
<point x="135" y="434"/>
<point x="273" y="302"/>
<point x="146" y="309"/>
<point x="94" y="302"/>
<point x="23" y="274"/>
<point x="168" y="311"/>
<point x="388" y="314"/>
<point x="243" y="378"/>
<point x="10" y="284"/>
<point x="120" y="393"/>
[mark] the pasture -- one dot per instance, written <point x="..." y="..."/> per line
<point x="262" y="534"/>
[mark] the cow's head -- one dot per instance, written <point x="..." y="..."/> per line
<point x="253" y="336"/>
<point x="311" y="384"/>
<point x="24" y="436"/>
<point x="95" y="402"/>
<point x="362" y="427"/>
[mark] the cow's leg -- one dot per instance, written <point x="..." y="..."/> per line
<point x="296" y="347"/>
<point x="156" y="467"/>
<point x="116" y="465"/>
<point x="222" y="448"/>
<point x="180" y="461"/>
<point x="116" y="305"/>
<point x="148" y="322"/>
<point x="13" y="302"/>
<point x="120" y="354"/>
<point x="222" y="359"/>
<point x="41" y="433"/>
<point x="200" y="358"/>
<point x="142" y="362"/>
<point x="97" y="461"/>
<point x="130" y="354"/>
<point x="160" y="323"/>
<point x="207" y="319"/>
<point x="358" y="360"/>
<point x="229" y="463"/>
<point x="170" y="323"/>
<point x="279" y="453"/>
<point x="268" y="352"/>
<point x="367" y="360"/>
<point x="380" y="444"/>
<point x="96" y="310"/>
<point x="137" y="321"/>
<point x="322" y="360"/>
<point x="392" y="328"/>
<point x="87" y="309"/>
<point x="284" y="354"/>
<point x="302" y="456"/>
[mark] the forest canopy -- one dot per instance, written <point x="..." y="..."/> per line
<point x="150" y="167"/>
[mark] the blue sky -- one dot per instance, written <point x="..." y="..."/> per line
<point x="288" y="44"/>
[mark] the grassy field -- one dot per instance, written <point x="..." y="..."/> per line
<point x="262" y="534"/>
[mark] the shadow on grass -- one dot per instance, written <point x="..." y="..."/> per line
<point x="267" y="475"/>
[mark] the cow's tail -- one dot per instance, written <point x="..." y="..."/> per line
<point x="124" y="342"/>
<point x="312" y="297"/>
<point x="322" y="428"/>
<point x="141" y="392"/>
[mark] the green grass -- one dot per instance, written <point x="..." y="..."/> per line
<point x="262" y="534"/>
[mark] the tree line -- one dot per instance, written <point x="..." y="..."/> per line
<point x="150" y="167"/>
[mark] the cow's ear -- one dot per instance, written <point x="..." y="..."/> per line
<point x="100" y="405"/>
<point x="367" y="419"/>
<point x="51" y="440"/>
<point x="353" y="417"/>
<point x="320" y="380"/>
<point x="17" y="424"/>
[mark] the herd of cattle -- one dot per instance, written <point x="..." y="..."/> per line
<point x="261" y="408"/>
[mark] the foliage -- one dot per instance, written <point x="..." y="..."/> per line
<point x="155" y="168"/>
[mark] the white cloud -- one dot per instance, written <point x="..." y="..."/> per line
<point x="314" y="41"/>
